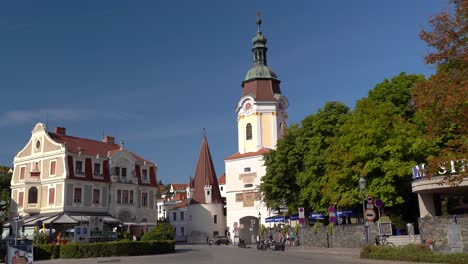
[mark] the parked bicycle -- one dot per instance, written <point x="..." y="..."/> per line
<point x="381" y="240"/>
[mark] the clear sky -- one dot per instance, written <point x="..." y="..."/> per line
<point x="155" y="73"/>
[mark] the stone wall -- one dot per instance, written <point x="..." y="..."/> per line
<point x="450" y="234"/>
<point x="342" y="236"/>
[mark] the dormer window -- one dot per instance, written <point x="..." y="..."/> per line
<point x="79" y="167"/>
<point x="124" y="172"/>
<point x="144" y="174"/>
<point x="117" y="171"/>
<point x="97" y="169"/>
<point x="248" y="132"/>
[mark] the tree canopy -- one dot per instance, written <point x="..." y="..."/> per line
<point x="404" y="121"/>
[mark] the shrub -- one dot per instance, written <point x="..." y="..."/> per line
<point x="162" y="231"/>
<point x="46" y="251"/>
<point x="117" y="248"/>
<point x="413" y="253"/>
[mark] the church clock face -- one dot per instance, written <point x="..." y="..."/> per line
<point x="247" y="107"/>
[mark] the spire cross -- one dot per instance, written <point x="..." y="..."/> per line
<point x="204" y="133"/>
<point x="259" y="20"/>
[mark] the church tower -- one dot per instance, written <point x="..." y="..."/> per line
<point x="261" y="121"/>
<point x="261" y="110"/>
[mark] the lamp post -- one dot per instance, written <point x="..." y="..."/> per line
<point x="259" y="224"/>
<point x="362" y="187"/>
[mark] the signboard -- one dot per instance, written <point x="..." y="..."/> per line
<point x="301" y="215"/>
<point x="294" y="217"/>
<point x="370" y="215"/>
<point x="370" y="199"/>
<point x="81" y="234"/>
<point x="96" y="226"/>
<point x="275" y="219"/>
<point x="346" y="213"/>
<point x="378" y="203"/>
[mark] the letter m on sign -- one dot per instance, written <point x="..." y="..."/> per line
<point x="419" y="171"/>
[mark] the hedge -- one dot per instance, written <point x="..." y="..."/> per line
<point x="413" y="253"/>
<point x="103" y="249"/>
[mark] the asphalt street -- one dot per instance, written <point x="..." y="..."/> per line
<point x="205" y="254"/>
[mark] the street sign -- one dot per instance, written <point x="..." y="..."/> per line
<point x="370" y="215"/>
<point x="17" y="218"/>
<point x="378" y="203"/>
<point x="332" y="219"/>
<point x="370" y="199"/>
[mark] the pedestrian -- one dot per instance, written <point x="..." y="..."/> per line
<point x="292" y="238"/>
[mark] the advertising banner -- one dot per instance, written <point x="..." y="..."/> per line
<point x="20" y="254"/>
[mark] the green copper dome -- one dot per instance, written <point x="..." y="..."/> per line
<point x="260" y="71"/>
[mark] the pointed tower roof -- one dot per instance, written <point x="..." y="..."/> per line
<point x="205" y="175"/>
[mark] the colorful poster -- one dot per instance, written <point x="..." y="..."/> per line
<point x="20" y="254"/>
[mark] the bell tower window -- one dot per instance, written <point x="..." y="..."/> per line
<point x="248" y="132"/>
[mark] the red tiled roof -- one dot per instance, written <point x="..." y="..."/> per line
<point x="222" y="179"/>
<point x="179" y="186"/>
<point x="205" y="175"/>
<point x="248" y="154"/>
<point x="90" y="147"/>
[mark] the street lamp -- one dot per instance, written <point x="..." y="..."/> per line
<point x="362" y="187"/>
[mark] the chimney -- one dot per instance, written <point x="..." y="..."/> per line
<point x="60" y="131"/>
<point x="109" y="140"/>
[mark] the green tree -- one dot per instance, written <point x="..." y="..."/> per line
<point x="279" y="183"/>
<point x="295" y="168"/>
<point x="319" y="133"/>
<point x="379" y="141"/>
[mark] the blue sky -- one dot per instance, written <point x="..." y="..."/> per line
<point x="155" y="73"/>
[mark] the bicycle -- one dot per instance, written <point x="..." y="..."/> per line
<point x="381" y="240"/>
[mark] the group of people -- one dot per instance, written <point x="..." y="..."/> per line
<point x="288" y="238"/>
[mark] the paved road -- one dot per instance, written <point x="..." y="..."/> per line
<point x="205" y="254"/>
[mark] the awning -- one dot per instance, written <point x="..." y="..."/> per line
<point x="58" y="218"/>
<point x="275" y="219"/>
<point x="346" y="212"/>
<point x="316" y="216"/>
<point x="64" y="219"/>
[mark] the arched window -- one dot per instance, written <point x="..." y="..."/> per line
<point x="32" y="195"/>
<point x="248" y="132"/>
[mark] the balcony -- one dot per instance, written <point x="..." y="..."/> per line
<point x="32" y="208"/>
<point x="33" y="179"/>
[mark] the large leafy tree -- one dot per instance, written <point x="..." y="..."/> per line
<point x="295" y="168"/>
<point x="320" y="130"/>
<point x="378" y="141"/>
<point x="279" y="183"/>
<point x="442" y="100"/>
